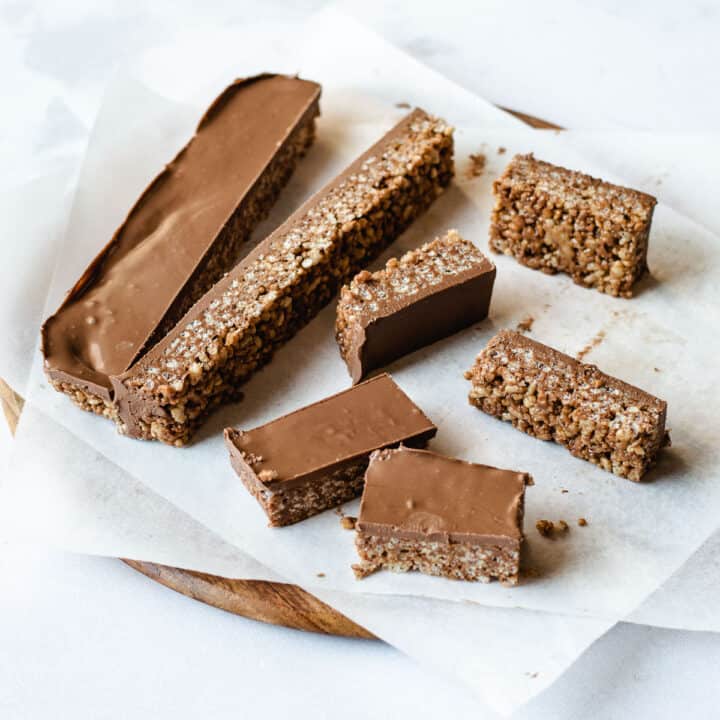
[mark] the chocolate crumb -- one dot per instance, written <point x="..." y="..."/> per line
<point x="525" y="325"/>
<point x="348" y="522"/>
<point x="477" y="165"/>
<point x="501" y="150"/>
<point x="403" y="105"/>
<point x="550" y="529"/>
<point x="582" y="522"/>
<point x="321" y="575"/>
<point x="563" y="491"/>
<point x="545" y="527"/>
<point x="656" y="369"/>
<point x="591" y="345"/>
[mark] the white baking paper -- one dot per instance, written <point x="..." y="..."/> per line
<point x="578" y="575"/>
<point x="86" y="228"/>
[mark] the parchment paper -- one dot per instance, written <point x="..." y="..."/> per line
<point x="577" y="575"/>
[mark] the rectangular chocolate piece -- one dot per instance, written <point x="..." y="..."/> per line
<point x="284" y="282"/>
<point x="557" y="220"/>
<point x="185" y="231"/>
<point x="314" y="458"/>
<point x="553" y="397"/>
<point x="430" y="293"/>
<point x="441" y="516"/>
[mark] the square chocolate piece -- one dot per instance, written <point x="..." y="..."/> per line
<point x="441" y="516"/>
<point x="429" y="293"/>
<point x="315" y="458"/>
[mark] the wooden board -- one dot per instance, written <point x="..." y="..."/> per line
<point x="270" y="602"/>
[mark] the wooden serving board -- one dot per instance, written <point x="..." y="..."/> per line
<point x="270" y="602"/>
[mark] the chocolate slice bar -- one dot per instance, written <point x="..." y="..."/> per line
<point x="284" y="282"/>
<point x="557" y="220"/>
<point x="428" y="294"/>
<point x="314" y="458"/>
<point x="441" y="516"/>
<point x="187" y="229"/>
<point x="553" y="397"/>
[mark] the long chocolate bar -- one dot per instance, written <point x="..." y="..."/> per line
<point x="558" y="220"/>
<point x="441" y="516"/>
<point x="428" y="294"/>
<point x="314" y="458"/>
<point x="553" y="397"/>
<point x="185" y="231"/>
<point x="276" y="289"/>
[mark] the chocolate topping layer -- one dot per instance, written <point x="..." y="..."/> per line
<point x="339" y="429"/>
<point x="416" y="494"/>
<point x="112" y="313"/>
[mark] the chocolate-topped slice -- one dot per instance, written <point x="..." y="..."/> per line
<point x="186" y="230"/>
<point x="314" y="458"/>
<point x="441" y="516"/>
<point x="429" y="293"/>
<point x="552" y="396"/>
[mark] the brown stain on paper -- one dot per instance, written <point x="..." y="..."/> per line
<point x="591" y="345"/>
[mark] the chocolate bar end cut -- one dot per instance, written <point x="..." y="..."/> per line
<point x="284" y="282"/>
<point x="558" y="220"/>
<point x="441" y="516"/>
<point x="187" y="229"/>
<point x="429" y="293"/>
<point x="314" y="458"/>
<point x="552" y="396"/>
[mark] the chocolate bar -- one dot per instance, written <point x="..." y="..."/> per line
<point x="557" y="220"/>
<point x="314" y="458"/>
<point x="284" y="282"/>
<point x="428" y="294"/>
<point x="441" y="516"/>
<point x="551" y="396"/>
<point x="187" y="229"/>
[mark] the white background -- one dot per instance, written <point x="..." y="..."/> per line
<point x="88" y="638"/>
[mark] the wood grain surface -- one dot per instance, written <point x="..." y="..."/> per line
<point x="270" y="602"/>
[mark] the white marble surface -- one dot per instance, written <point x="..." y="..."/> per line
<point x="85" y="637"/>
<point x="89" y="639"/>
<point x="646" y="64"/>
